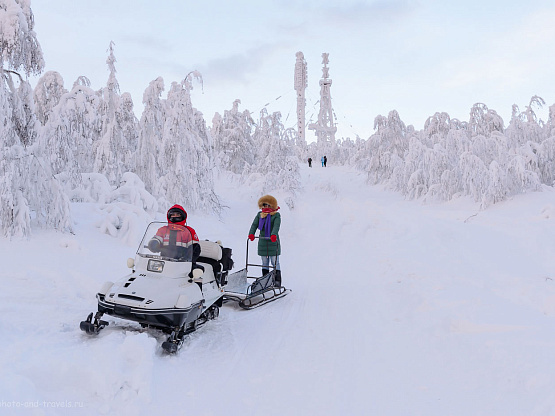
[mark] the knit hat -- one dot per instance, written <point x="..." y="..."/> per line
<point x="268" y="199"/>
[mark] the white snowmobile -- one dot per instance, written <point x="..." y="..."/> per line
<point x="176" y="285"/>
<point x="262" y="290"/>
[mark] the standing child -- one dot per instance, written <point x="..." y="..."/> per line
<point x="268" y="220"/>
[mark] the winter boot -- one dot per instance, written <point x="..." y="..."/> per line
<point x="277" y="279"/>
<point x="265" y="272"/>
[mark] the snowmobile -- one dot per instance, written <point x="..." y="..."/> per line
<point x="252" y="295"/>
<point x="176" y="285"/>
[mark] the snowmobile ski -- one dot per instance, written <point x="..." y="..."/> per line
<point x="91" y="327"/>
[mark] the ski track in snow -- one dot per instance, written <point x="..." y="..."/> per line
<point x="397" y="308"/>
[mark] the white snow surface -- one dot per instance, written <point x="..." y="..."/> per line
<point x="397" y="308"/>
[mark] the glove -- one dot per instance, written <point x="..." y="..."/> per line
<point x="273" y="238"/>
<point x="251" y="237"/>
<point x="154" y="245"/>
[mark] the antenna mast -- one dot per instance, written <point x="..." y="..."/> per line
<point x="300" y="85"/>
<point x="325" y="128"/>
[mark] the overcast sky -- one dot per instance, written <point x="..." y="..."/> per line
<point x="415" y="56"/>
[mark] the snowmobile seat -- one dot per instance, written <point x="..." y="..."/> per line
<point x="211" y="254"/>
<point x="210" y="250"/>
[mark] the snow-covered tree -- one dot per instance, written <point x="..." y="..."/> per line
<point x="275" y="161"/>
<point x="24" y="120"/>
<point x="483" y="120"/>
<point x="19" y="47"/>
<point x="29" y="192"/>
<point x="185" y="160"/>
<point x="47" y="94"/>
<point x="151" y="128"/>
<point x="129" y="125"/>
<point x="385" y="149"/>
<point x="71" y="132"/>
<point x="525" y="126"/>
<point x="112" y="150"/>
<point x="232" y="135"/>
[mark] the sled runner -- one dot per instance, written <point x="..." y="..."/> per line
<point x="251" y="294"/>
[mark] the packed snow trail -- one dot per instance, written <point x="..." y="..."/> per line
<point x="396" y="308"/>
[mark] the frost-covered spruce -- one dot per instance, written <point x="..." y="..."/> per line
<point x="129" y="125"/>
<point x="27" y="184"/>
<point x="72" y="131"/>
<point x="185" y="161"/>
<point x="232" y="135"/>
<point x="385" y="149"/>
<point x="113" y="150"/>
<point x="151" y="127"/>
<point x="275" y="160"/>
<point x="47" y="94"/>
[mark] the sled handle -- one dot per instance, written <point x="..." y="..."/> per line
<point x="247" y="264"/>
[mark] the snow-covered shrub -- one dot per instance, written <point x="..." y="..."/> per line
<point x="474" y="175"/>
<point x="29" y="193"/>
<point x="497" y="189"/>
<point x="92" y="187"/>
<point x="483" y="120"/>
<point x="124" y="221"/>
<point x="520" y="178"/>
<point x="546" y="161"/>
<point x="132" y="191"/>
<point x="525" y="126"/>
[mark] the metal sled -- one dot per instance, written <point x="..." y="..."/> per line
<point x="252" y="295"/>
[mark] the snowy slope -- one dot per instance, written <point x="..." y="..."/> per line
<point x="397" y="308"/>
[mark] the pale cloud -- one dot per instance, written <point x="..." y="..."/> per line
<point x="237" y="67"/>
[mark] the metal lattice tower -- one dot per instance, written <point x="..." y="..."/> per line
<point x="300" y="85"/>
<point x="325" y="128"/>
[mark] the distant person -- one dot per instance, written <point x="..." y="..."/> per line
<point x="322" y="160"/>
<point x="309" y="162"/>
<point x="268" y="221"/>
<point x="325" y="161"/>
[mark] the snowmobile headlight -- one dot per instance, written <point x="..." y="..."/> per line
<point x="155" y="266"/>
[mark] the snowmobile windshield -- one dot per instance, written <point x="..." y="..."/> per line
<point x="167" y="241"/>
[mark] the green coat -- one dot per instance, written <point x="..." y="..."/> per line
<point x="265" y="246"/>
